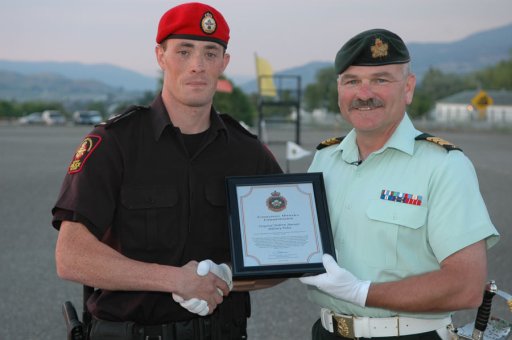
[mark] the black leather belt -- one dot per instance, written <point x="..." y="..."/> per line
<point x="199" y="328"/>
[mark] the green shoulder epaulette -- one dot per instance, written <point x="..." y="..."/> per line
<point x="126" y="113"/>
<point x="329" y="142"/>
<point x="439" y="141"/>
<point x="232" y="121"/>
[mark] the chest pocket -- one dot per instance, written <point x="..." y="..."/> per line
<point x="394" y="227"/>
<point x="147" y="216"/>
<point x="214" y="239"/>
<point x="406" y="215"/>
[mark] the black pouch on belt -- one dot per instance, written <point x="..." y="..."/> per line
<point x="229" y="321"/>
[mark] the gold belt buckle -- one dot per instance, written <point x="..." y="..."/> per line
<point x="344" y="326"/>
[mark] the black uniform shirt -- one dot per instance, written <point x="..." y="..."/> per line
<point x="136" y="188"/>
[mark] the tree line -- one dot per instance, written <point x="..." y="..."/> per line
<point x="237" y="103"/>
<point x="434" y="86"/>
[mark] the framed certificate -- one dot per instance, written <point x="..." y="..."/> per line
<point x="279" y="225"/>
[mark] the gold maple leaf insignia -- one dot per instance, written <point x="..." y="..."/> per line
<point x="380" y="49"/>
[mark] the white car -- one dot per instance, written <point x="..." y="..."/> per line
<point x="53" y="117"/>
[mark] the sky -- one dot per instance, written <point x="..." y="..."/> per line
<point x="287" y="33"/>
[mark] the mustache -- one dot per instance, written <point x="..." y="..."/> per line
<point x="371" y="103"/>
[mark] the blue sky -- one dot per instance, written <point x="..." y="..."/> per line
<point x="287" y="33"/>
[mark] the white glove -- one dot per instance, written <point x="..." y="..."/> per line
<point x="339" y="282"/>
<point x="221" y="270"/>
<point x="198" y="306"/>
<point x="193" y="305"/>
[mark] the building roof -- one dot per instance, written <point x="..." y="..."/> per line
<point x="224" y="85"/>
<point x="499" y="97"/>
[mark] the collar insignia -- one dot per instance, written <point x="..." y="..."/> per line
<point x="208" y="23"/>
<point x="83" y="152"/>
<point x="380" y="49"/>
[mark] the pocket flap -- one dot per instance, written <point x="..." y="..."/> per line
<point x="143" y="197"/>
<point x="407" y="215"/>
<point x="215" y="194"/>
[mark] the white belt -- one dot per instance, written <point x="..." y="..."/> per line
<point x="365" y="327"/>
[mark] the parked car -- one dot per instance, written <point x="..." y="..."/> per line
<point x="87" y="117"/>
<point x="53" y="117"/>
<point x="32" y="118"/>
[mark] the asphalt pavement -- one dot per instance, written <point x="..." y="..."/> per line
<point x="33" y="161"/>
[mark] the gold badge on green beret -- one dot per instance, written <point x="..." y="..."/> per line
<point x="372" y="48"/>
<point x="379" y="49"/>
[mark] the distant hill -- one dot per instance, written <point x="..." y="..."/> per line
<point x="472" y="53"/>
<point x="111" y="75"/>
<point x="77" y="81"/>
<point x="53" y="87"/>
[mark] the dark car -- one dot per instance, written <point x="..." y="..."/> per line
<point x="87" y="117"/>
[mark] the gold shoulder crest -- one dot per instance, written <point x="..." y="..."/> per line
<point x="439" y="141"/>
<point x="329" y="142"/>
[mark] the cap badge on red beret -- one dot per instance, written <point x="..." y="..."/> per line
<point x="208" y="23"/>
<point x="380" y="49"/>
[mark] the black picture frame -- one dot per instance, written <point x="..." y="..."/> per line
<point x="284" y="232"/>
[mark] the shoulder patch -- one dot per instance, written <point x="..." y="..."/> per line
<point x="329" y="142"/>
<point x="88" y="145"/>
<point x="445" y="144"/>
<point x="232" y="121"/>
<point x="126" y="113"/>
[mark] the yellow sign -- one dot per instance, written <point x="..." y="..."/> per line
<point x="481" y="101"/>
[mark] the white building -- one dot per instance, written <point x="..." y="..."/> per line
<point x="491" y="106"/>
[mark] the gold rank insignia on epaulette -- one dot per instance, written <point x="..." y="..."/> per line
<point x="439" y="141"/>
<point x="329" y="142"/>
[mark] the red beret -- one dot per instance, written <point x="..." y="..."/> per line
<point x="194" y="21"/>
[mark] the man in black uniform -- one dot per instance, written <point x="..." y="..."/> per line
<point x="144" y="199"/>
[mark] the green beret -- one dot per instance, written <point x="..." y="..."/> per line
<point x="372" y="48"/>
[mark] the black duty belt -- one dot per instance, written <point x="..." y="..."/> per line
<point x="199" y="328"/>
<point x="194" y="329"/>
